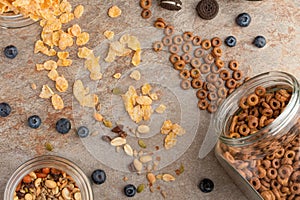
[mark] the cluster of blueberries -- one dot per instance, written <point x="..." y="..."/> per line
<point x="243" y="20"/>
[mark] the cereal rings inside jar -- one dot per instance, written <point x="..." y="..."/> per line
<point x="260" y="91"/>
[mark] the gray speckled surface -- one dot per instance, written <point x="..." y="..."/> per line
<point x="277" y="20"/>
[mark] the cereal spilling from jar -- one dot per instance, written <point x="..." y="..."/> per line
<point x="47" y="183"/>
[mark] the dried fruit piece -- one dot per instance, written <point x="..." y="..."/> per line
<point x="168" y="177"/>
<point x="109" y="34"/>
<point x="143" y="129"/>
<point x="128" y="150"/>
<point x="57" y="102"/>
<point x="151" y="178"/>
<point x="160" y="109"/>
<point x="118" y="141"/>
<point x="136" y="75"/>
<point x="61" y="84"/>
<point x="49" y="146"/>
<point x="114" y="11"/>
<point x="140" y="188"/>
<point x="46" y="92"/>
<point x="142" y="144"/>
<point x="107" y="123"/>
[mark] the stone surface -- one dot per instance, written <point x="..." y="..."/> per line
<point x="277" y="20"/>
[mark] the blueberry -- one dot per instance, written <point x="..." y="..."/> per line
<point x="243" y="19"/>
<point x="206" y="185"/>
<point x="130" y="190"/>
<point x="230" y="41"/>
<point x="34" y="121"/>
<point x="11" y="51"/>
<point x="63" y="126"/>
<point x="4" y="109"/>
<point x="83" y="131"/>
<point x="259" y="41"/>
<point x="98" y="176"/>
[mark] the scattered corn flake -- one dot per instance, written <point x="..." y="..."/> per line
<point x="82" y="95"/>
<point x="57" y="102"/>
<point x="39" y="46"/>
<point x="147" y="112"/>
<point x="153" y="96"/>
<point x="64" y="62"/>
<point x="135" y="74"/>
<point x="82" y="38"/>
<point x="144" y="100"/>
<point x="53" y="74"/>
<point x="63" y="54"/>
<point x="78" y="11"/>
<point x="160" y="109"/>
<point x="117" y="75"/>
<point x="84" y="52"/>
<point x="136" y="114"/>
<point x="61" y="84"/>
<point x="39" y="67"/>
<point x="50" y="64"/>
<point x="170" y="140"/>
<point x="119" y="49"/>
<point x="74" y="30"/>
<point x="109" y="34"/>
<point x="66" y="17"/>
<point x="114" y="11"/>
<point x="46" y="92"/>
<point x="111" y="56"/>
<point x="52" y="25"/>
<point x="65" y="6"/>
<point x="131" y="41"/>
<point x="92" y="64"/>
<point x="166" y="127"/>
<point x="65" y="40"/>
<point x="47" y="38"/>
<point x="98" y="117"/>
<point x="129" y="99"/>
<point x="50" y="52"/>
<point x="136" y="59"/>
<point x="146" y="88"/>
<point x="178" y="130"/>
<point x="55" y="37"/>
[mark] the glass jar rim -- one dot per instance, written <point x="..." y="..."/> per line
<point x="289" y="111"/>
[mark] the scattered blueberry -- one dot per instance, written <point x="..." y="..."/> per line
<point x="4" y="109"/>
<point x="34" y="121"/>
<point x="129" y="190"/>
<point x="11" y="51"/>
<point x="83" y="131"/>
<point x="243" y="19"/>
<point x="206" y="185"/>
<point x="259" y="41"/>
<point x="63" y="126"/>
<point x="98" y="176"/>
<point x="230" y="41"/>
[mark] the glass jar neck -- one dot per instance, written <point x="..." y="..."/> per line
<point x="268" y="80"/>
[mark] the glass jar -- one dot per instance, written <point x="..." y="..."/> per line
<point x="50" y="161"/>
<point x="265" y="164"/>
<point x="10" y="20"/>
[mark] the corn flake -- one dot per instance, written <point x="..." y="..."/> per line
<point x="50" y="64"/>
<point x="62" y="54"/>
<point x="65" y="40"/>
<point x="135" y="75"/>
<point x="114" y="12"/>
<point x="82" y="95"/>
<point x="166" y="127"/>
<point x="147" y="112"/>
<point x="178" y="130"/>
<point x="84" y="52"/>
<point x="92" y="64"/>
<point x="74" y="30"/>
<point x="78" y="11"/>
<point x="170" y="140"/>
<point x="144" y="100"/>
<point x="117" y="75"/>
<point x="82" y="38"/>
<point x="39" y="67"/>
<point x="46" y="92"/>
<point x="64" y="62"/>
<point x="160" y="109"/>
<point x="53" y="74"/>
<point x="136" y="59"/>
<point x="146" y="88"/>
<point x="109" y="34"/>
<point x="65" y="6"/>
<point x="61" y="84"/>
<point x="57" y="102"/>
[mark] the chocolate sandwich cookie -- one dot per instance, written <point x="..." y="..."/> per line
<point x="171" y="4"/>
<point x="207" y="9"/>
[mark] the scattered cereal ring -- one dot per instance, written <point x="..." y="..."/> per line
<point x="217" y="52"/>
<point x="237" y="75"/>
<point x="195" y="73"/>
<point x="212" y="96"/>
<point x="187" y="47"/>
<point x="209" y="59"/>
<point x="197" y="83"/>
<point x="158" y="46"/>
<point x="255" y="182"/>
<point x="219" y="63"/>
<point x="219" y="82"/>
<point x="188" y="36"/>
<point x="224" y="75"/>
<point x="198" y="53"/>
<point x="196" y="41"/>
<point x="214" y="69"/>
<point x="202" y="94"/>
<point x="233" y="65"/>
<point x="202" y="104"/>
<point x="205" y="68"/>
<point x="178" y="39"/>
<point x="230" y="83"/>
<point x="169" y="30"/>
<point x="210" y="87"/>
<point x="158" y="24"/>
<point x="195" y="62"/>
<point x="174" y="58"/>
<point x="186" y="58"/>
<point x="146" y="14"/>
<point x="185" y="84"/>
<point x="275" y="104"/>
<point x="174" y="49"/>
<point x="212" y="108"/>
<point x="146" y="4"/>
<point x="179" y="65"/>
<point x="185" y="74"/>
<point x="222" y="92"/>
<point x="216" y="42"/>
<point x="211" y="78"/>
<point x="206" y="44"/>
<point x="167" y="40"/>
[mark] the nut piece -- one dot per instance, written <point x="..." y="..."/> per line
<point x="118" y="141"/>
<point x="128" y="150"/>
<point x="28" y="196"/>
<point x="137" y="165"/>
<point x="145" y="159"/>
<point x="151" y="178"/>
<point x="66" y="194"/>
<point x="114" y="12"/>
<point x="77" y="196"/>
<point x="168" y="177"/>
<point x="50" y="184"/>
<point x="37" y="182"/>
<point x="160" y="109"/>
<point x="143" y="129"/>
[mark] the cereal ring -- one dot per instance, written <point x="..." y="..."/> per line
<point x="219" y="63"/>
<point x="195" y="62"/>
<point x="206" y="44"/>
<point x="286" y="161"/>
<point x="244" y="130"/>
<point x="178" y="39"/>
<point x="222" y="92"/>
<point x="169" y="30"/>
<point x="275" y="104"/>
<point x="196" y="41"/>
<point x="255" y="182"/>
<point x="174" y="49"/>
<point x="243" y="103"/>
<point x="233" y="65"/>
<point x="202" y="104"/>
<point x="218" y="83"/>
<point x="233" y="124"/>
<point x="265" y="104"/>
<point x="290" y="154"/>
<point x="146" y="4"/>
<point x="237" y="75"/>
<point x="238" y="84"/>
<point x="279" y="153"/>
<point x="209" y="59"/>
<point x="224" y="75"/>
<point x="212" y="96"/>
<point x="217" y="52"/>
<point x="210" y="87"/>
<point x="285" y="171"/>
<point x="198" y="53"/>
<point x="296" y="176"/>
<point x="276" y="163"/>
<point x="261" y="172"/>
<point x="195" y="73"/>
<point x="187" y="47"/>
<point x="204" y="68"/>
<point x="184" y="74"/>
<point x="146" y="14"/>
<point x="234" y="135"/>
<point x="254" y="112"/>
<point x="185" y="84"/>
<point x="174" y="58"/>
<point x="197" y="83"/>
<point x="186" y="58"/>
<point x="230" y="83"/>
<point x="211" y="78"/>
<point x="272" y="173"/>
<point x="275" y="184"/>
<point x="159" y="24"/>
<point x="252" y="122"/>
<point x="267" y="112"/>
<point x="212" y="108"/>
<point x="229" y="157"/>
<point x="201" y="94"/>
<point x="268" y="195"/>
<point x="295" y="188"/>
<point x="188" y="36"/>
<point x="260" y="91"/>
<point x="158" y="46"/>
<point x="216" y="42"/>
<point x="167" y="40"/>
<point x="179" y="65"/>
<point x="214" y="69"/>
<point x="252" y="100"/>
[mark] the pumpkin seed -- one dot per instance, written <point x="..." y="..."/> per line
<point x="142" y="144"/>
<point x="140" y="188"/>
